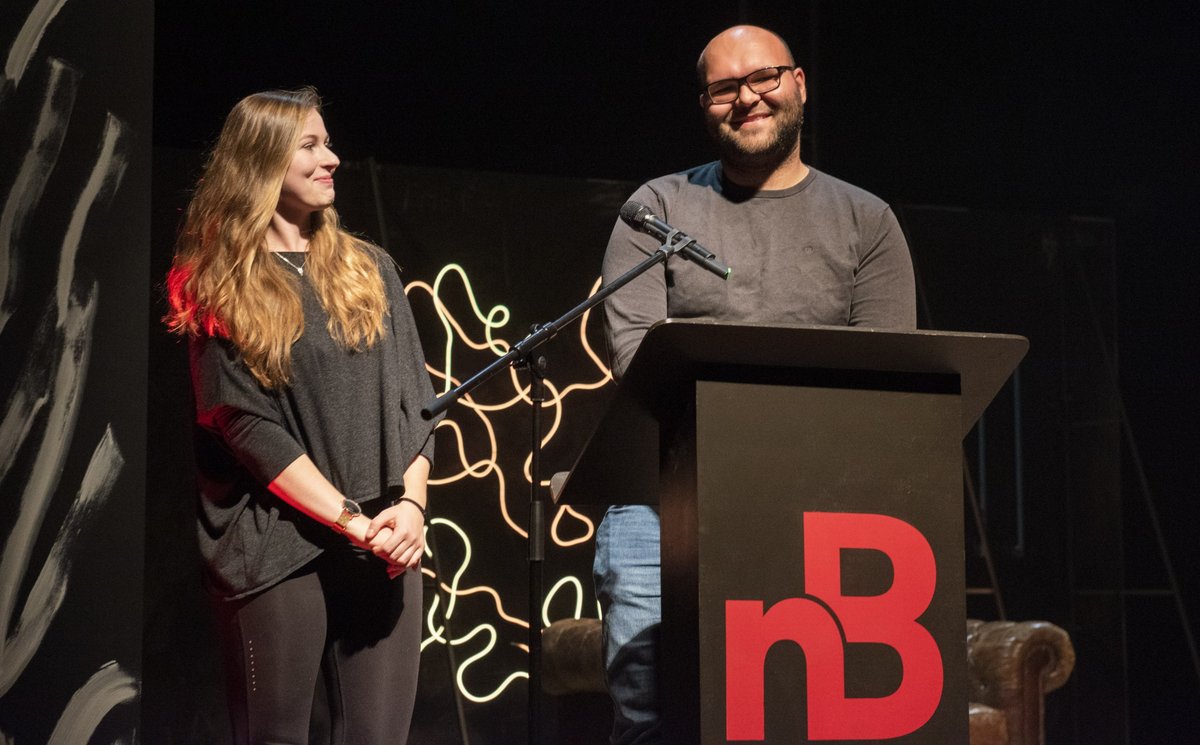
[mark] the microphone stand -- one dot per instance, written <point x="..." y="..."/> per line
<point x="524" y="355"/>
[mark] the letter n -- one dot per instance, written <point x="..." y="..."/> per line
<point x="749" y="635"/>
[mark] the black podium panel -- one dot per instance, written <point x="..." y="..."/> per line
<point x="765" y="464"/>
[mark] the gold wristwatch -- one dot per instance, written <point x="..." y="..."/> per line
<point x="350" y="510"/>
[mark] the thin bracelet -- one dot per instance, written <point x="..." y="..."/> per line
<point x="414" y="503"/>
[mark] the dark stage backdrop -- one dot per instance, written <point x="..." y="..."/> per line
<point x="74" y="229"/>
<point x="1041" y="107"/>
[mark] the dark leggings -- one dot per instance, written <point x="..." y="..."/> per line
<point x="341" y="616"/>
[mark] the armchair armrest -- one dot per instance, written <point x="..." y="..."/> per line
<point x="1012" y="666"/>
<point x="572" y="660"/>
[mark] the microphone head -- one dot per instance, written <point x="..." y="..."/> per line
<point x="634" y="214"/>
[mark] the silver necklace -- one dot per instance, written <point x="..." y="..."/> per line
<point x="298" y="267"/>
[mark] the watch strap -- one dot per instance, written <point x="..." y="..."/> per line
<point x="350" y="510"/>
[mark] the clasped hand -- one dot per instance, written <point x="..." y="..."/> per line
<point x="397" y="535"/>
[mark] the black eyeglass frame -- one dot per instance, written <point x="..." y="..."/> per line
<point x="745" y="80"/>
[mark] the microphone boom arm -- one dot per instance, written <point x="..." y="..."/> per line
<point x="674" y="242"/>
<point x="542" y="334"/>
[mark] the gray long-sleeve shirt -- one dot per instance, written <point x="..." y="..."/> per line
<point x="821" y="252"/>
<point x="356" y="414"/>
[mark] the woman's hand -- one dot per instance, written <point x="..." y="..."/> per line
<point x="358" y="538"/>
<point x="356" y="532"/>
<point x="397" y="535"/>
<point x="403" y="547"/>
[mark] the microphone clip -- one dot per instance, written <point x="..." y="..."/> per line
<point x="678" y="242"/>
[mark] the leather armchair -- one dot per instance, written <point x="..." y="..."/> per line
<point x="1013" y="665"/>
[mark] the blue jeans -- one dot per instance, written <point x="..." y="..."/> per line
<point x="629" y="588"/>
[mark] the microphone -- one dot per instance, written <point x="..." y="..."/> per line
<point x="639" y="217"/>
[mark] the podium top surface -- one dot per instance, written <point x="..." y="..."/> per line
<point x="675" y="349"/>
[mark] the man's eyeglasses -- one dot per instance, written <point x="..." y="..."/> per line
<point x="759" y="81"/>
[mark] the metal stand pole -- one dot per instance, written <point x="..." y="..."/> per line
<point x="537" y="545"/>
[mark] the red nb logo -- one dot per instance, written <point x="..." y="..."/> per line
<point x="888" y="618"/>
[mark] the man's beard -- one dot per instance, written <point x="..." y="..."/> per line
<point x="788" y="119"/>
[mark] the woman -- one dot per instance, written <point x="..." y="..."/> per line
<point x="308" y="379"/>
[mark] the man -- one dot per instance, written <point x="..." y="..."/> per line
<point x="805" y="248"/>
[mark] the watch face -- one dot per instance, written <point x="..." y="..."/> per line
<point x="350" y="506"/>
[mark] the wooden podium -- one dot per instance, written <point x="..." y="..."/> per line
<point x="809" y="481"/>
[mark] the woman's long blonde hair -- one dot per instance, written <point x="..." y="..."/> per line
<point x="223" y="282"/>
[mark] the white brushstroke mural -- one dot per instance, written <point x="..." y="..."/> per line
<point x="63" y="165"/>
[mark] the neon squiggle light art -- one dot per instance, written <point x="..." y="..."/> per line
<point x="468" y="614"/>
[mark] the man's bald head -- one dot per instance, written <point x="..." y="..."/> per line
<point x="757" y="129"/>
<point x="734" y="41"/>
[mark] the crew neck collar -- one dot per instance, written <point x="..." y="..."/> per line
<point x="737" y="192"/>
